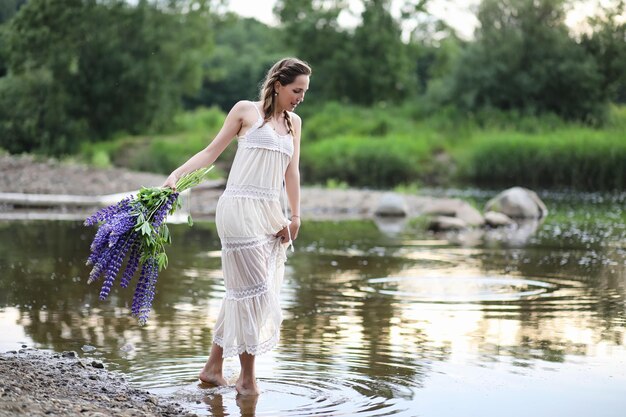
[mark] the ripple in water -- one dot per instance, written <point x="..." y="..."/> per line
<point x="459" y="289"/>
<point x="299" y="393"/>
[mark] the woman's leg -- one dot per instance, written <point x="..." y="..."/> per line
<point x="212" y="371"/>
<point x="246" y="384"/>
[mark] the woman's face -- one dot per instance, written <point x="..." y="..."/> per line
<point x="290" y="95"/>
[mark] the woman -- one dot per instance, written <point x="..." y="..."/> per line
<point x="250" y="222"/>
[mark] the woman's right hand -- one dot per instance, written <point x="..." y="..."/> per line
<point x="170" y="182"/>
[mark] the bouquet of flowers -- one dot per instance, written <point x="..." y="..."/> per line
<point x="135" y="229"/>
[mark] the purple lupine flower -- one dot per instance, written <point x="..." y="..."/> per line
<point x="100" y="265"/>
<point x="121" y="225"/>
<point x="93" y="257"/>
<point x="118" y="254"/>
<point x="144" y="293"/>
<point x="161" y="213"/>
<point x="133" y="229"/>
<point x="103" y="245"/>
<point x="109" y="232"/>
<point x="106" y="213"/>
<point x="148" y="294"/>
<point x="133" y="262"/>
<point x="101" y="239"/>
<point x="142" y="285"/>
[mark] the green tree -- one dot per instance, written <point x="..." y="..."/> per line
<point x="109" y="66"/>
<point x="34" y="115"/>
<point x="435" y="45"/>
<point x="244" y="49"/>
<point x="381" y="68"/>
<point x="311" y="30"/>
<point x="8" y="8"/>
<point x="607" y="44"/>
<point x="524" y="59"/>
<point x="367" y="65"/>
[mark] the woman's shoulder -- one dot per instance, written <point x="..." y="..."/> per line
<point x="297" y="120"/>
<point x="246" y="110"/>
<point x="247" y="105"/>
<point x="294" y="116"/>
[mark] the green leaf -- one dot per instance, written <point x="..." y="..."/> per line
<point x="165" y="234"/>
<point x="146" y="229"/>
<point x="189" y="220"/>
<point x="140" y="220"/>
<point x="162" y="260"/>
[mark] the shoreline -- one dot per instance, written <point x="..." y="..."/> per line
<point x="27" y="175"/>
<point x="43" y="383"/>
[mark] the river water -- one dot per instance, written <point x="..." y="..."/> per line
<point x="379" y="319"/>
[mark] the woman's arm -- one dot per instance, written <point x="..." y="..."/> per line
<point x="232" y="125"/>
<point x="292" y="178"/>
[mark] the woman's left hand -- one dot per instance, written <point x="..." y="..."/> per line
<point x="294" y="227"/>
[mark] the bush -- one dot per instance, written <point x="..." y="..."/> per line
<point x="364" y="161"/>
<point x="192" y="132"/>
<point x="572" y="157"/>
<point x="69" y="83"/>
<point x="33" y="116"/>
<point x="337" y="119"/>
<point x="489" y="147"/>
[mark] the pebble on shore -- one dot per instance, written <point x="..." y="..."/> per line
<point x="39" y="383"/>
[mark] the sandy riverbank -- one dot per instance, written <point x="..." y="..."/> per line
<point x="25" y="174"/>
<point x="37" y="383"/>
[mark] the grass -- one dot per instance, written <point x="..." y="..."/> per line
<point x="401" y="146"/>
<point x="162" y="153"/>
<point x="575" y="157"/>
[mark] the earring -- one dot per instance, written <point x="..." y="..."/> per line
<point x="275" y="93"/>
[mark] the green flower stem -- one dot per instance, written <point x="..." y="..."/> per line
<point x="192" y="179"/>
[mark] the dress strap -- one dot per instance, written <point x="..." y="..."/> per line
<point x="257" y="124"/>
<point x="258" y="111"/>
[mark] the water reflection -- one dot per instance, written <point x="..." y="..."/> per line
<point x="513" y="236"/>
<point x="376" y="323"/>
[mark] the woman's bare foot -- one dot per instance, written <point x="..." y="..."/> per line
<point x="213" y="378"/>
<point x="247" y="388"/>
<point x="212" y="371"/>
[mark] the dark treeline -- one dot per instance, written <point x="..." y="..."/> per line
<point x="74" y="71"/>
<point x="81" y="70"/>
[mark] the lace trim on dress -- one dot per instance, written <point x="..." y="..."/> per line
<point x="252" y="128"/>
<point x="259" y="349"/>
<point x="267" y="345"/>
<point x="267" y="139"/>
<point x="230" y="244"/>
<point x="246" y="293"/>
<point x="251" y="191"/>
<point x="269" y="146"/>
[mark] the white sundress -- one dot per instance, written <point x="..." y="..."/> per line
<point x="248" y="215"/>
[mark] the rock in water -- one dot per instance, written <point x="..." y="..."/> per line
<point x="518" y="202"/>
<point x="451" y="207"/>
<point x="391" y="204"/>
<point x="445" y="223"/>
<point x="495" y="219"/>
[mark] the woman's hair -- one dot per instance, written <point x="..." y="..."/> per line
<point x="285" y="72"/>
